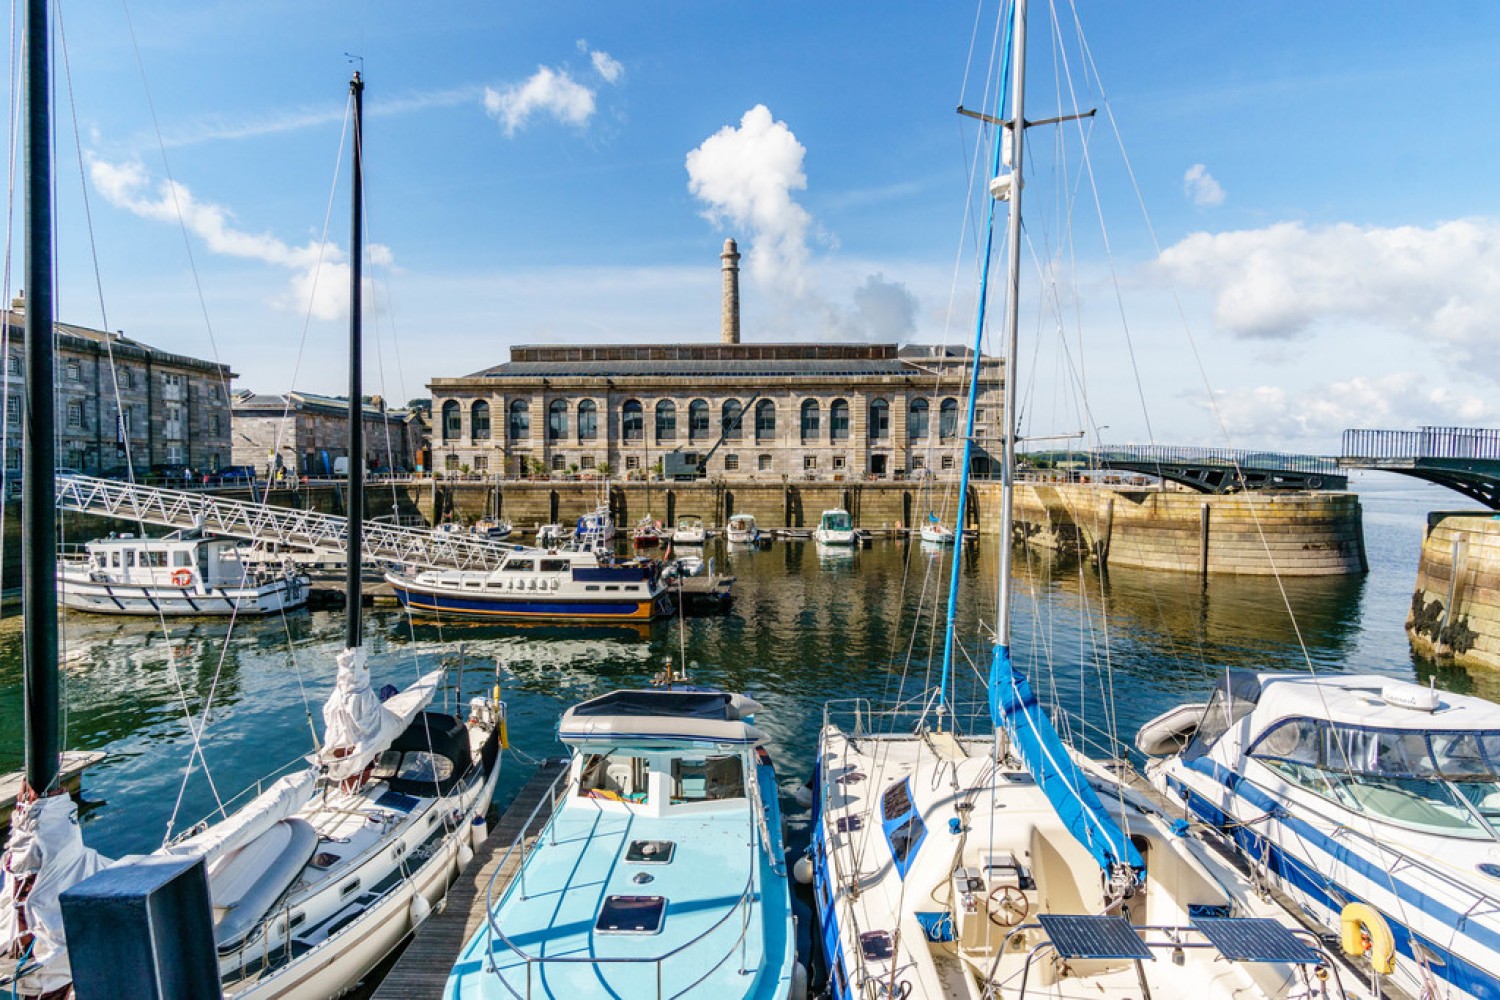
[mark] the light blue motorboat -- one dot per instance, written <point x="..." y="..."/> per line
<point x="661" y="872"/>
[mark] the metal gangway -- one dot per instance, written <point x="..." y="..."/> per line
<point x="1464" y="459"/>
<point x="1224" y="470"/>
<point x="322" y="534"/>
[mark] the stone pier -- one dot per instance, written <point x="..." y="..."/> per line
<point x="1455" y="610"/>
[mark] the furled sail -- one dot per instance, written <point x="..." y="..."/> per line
<point x="359" y="727"/>
<point x="283" y="798"/>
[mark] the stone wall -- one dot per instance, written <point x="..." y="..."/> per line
<point x="1455" y="610"/>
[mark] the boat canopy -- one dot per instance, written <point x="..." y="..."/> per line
<point x="432" y="754"/>
<point x="359" y="726"/>
<point x="666" y="715"/>
<point x="1371" y="701"/>
<point x="836" y="520"/>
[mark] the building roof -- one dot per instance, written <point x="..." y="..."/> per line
<point x="102" y="341"/>
<point x="247" y="403"/>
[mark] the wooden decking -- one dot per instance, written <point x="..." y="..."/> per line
<point x="71" y="774"/>
<point x="422" y="970"/>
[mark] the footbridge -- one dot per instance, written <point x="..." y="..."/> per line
<point x="1464" y="459"/>
<point x="322" y="534"/>
<point x="1224" y="470"/>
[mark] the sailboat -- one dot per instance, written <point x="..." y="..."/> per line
<point x="322" y="874"/>
<point x="962" y="851"/>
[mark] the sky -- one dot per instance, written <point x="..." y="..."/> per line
<point x="1282" y="221"/>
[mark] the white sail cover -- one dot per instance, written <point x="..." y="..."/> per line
<point x="284" y="798"/>
<point x="44" y="841"/>
<point x="358" y="727"/>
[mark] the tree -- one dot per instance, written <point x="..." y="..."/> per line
<point x="604" y="469"/>
<point x="538" y="467"/>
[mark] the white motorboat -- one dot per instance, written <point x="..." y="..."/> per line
<point x="742" y="530"/>
<point x="493" y="528"/>
<point x="595" y="531"/>
<point x="936" y="533"/>
<point x="835" y="527"/>
<point x="179" y="574"/>
<point x="689" y="530"/>
<point x="551" y="536"/>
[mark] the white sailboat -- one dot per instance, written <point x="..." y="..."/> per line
<point x="967" y="851"/>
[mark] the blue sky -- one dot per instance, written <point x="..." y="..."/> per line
<point x="1319" y="179"/>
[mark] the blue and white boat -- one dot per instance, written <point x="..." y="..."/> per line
<point x="595" y="531"/>
<point x="835" y="527"/>
<point x="661" y="871"/>
<point x="1374" y="803"/>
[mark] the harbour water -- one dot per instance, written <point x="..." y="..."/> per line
<point x="805" y="627"/>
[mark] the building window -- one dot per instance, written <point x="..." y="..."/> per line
<point x="697" y="420"/>
<point x="880" y="420"/>
<point x="559" y="463"/>
<point x="13" y="364"/>
<point x="838" y="420"/>
<point x="632" y="463"/>
<point x="588" y="421"/>
<point x="481" y="463"/>
<point x="917" y="462"/>
<point x="666" y="421"/>
<point x="13" y="408"/>
<point x="174" y="453"/>
<point x="453" y="420"/>
<point x="213" y="423"/>
<point x="809" y="462"/>
<point x="632" y="421"/>
<point x="838" y="461"/>
<point x="947" y="461"/>
<point x="763" y="463"/>
<point x="75" y="414"/>
<point x="916" y="420"/>
<point x="450" y="462"/>
<point x="213" y="392"/>
<point x="557" y="420"/>
<point x="731" y="463"/>
<point x="765" y="420"/>
<point x="75" y="458"/>
<point x="479" y="420"/>
<point x="811" y="415"/>
<point x="124" y="379"/>
<point x="729" y="420"/>
<point x="948" y="419"/>
<point x="586" y="462"/>
<point x="75" y="371"/>
<point x="13" y="460"/>
<point x="520" y="420"/>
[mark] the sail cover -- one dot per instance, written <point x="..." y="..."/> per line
<point x="1014" y="705"/>
<point x="283" y="798"/>
<point x="358" y="726"/>
<point x="45" y="841"/>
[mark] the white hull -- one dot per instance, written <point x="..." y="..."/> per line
<point x="133" y="599"/>
<point x="830" y="537"/>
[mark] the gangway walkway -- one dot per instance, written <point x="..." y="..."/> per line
<point x="322" y="534"/>
<point x="1224" y="470"/>
<point x="1464" y="459"/>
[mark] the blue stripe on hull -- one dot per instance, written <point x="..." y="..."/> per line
<point x="828" y="923"/>
<point x="531" y="609"/>
<point x="1321" y="891"/>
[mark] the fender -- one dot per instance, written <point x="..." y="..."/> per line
<point x="1357" y="920"/>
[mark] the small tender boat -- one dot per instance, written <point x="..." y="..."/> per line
<point x="835" y="527"/>
<point x="647" y="533"/>
<point x="661" y="867"/>
<point x="495" y="529"/>
<point x="937" y="534"/>
<point x="535" y="584"/>
<point x="742" y="530"/>
<point x="550" y="536"/>
<point x="1374" y="803"/>
<point x="179" y="574"/>
<point x="689" y="530"/>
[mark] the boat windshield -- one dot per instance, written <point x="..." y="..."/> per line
<point x="836" y="520"/>
<point x="1444" y="782"/>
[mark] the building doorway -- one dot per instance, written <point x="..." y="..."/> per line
<point x="877" y="465"/>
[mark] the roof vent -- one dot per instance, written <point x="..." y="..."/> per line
<point x="1412" y="696"/>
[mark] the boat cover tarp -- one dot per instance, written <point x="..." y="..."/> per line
<point x="45" y="841"/>
<point x="1014" y="705"/>
<point x="283" y="798"/>
<point x="441" y="734"/>
<point x="358" y="726"/>
<point x="679" y="704"/>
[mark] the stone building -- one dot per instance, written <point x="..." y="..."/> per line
<point x="121" y="403"/>
<point x="309" y="432"/>
<point x="744" y="410"/>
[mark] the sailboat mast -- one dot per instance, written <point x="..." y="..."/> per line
<point x="1012" y="318"/>
<point x="39" y="486"/>
<point x="355" y="509"/>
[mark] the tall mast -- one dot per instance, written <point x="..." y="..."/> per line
<point x="356" y="465"/>
<point x="1012" y="317"/>
<point x="39" y="488"/>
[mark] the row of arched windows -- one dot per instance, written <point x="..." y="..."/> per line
<point x="731" y="420"/>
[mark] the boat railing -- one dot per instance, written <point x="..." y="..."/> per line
<point x="861" y="717"/>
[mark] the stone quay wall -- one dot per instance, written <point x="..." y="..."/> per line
<point x="1455" y="609"/>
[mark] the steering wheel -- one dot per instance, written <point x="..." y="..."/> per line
<point x="1007" y="906"/>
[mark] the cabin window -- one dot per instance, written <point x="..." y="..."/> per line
<point x="554" y="565"/>
<point x="519" y="566"/>
<point x="420" y="765"/>
<point x="114" y="560"/>
<point x="1224" y="710"/>
<point x="155" y="560"/>
<point x="182" y="558"/>
<point x="385" y="765"/>
<point x="349" y="888"/>
<point x="592" y="586"/>
<point x="612" y="587"/>
<point x="708" y="778"/>
<point x="903" y="826"/>
<point x="616" y="777"/>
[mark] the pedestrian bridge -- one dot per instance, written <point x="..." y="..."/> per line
<point x="322" y="534"/>
<point x="1224" y="470"/>
<point x="1465" y="459"/>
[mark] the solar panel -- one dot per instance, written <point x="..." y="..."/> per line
<point x="1254" y="939"/>
<point x="1083" y="937"/>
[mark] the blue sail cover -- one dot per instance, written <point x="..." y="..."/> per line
<point x="1013" y="705"/>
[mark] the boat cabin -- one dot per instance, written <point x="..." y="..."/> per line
<point x="836" y="520"/>
<point x="176" y="560"/>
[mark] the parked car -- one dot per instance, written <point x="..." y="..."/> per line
<point x="234" y="473"/>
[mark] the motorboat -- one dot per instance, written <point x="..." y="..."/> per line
<point x="1373" y="802"/>
<point x="689" y="530"/>
<point x="551" y="536"/>
<point x="647" y="534"/>
<point x="742" y="530"/>
<point x="835" y="527"/>
<point x="182" y="573"/>
<point x="660" y="869"/>
<point x="493" y="528"/>
<point x="541" y="584"/>
<point x="595" y="530"/>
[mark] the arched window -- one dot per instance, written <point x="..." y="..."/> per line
<point x="632" y="421"/>
<point x="948" y="418"/>
<point x="880" y="420"/>
<point x="765" y="420"/>
<point x="697" y="419"/>
<point x="479" y="420"/>
<point x="916" y="420"/>
<point x="520" y="420"/>
<point x="838" y="420"/>
<point x="730" y="421"/>
<point x="666" y="421"/>
<point x="588" y="420"/>
<point x="557" y="420"/>
<point x="811" y="417"/>
<point x="453" y="420"/>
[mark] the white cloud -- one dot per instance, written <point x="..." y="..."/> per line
<point x="1200" y="187"/>
<point x="887" y="309"/>
<point x="1439" y="284"/>
<point x="607" y="66"/>
<point x="548" y="92"/>
<point x="320" y="272"/>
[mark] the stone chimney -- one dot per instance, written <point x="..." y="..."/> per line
<point x="729" y="331"/>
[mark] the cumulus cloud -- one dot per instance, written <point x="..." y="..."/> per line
<point x="320" y="271"/>
<point x="1439" y="284"/>
<point x="547" y="92"/>
<point x="887" y="310"/>
<point x="1200" y="187"/>
<point x="607" y="66"/>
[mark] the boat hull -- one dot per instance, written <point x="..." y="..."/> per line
<point x="530" y="607"/>
<point x="135" y="599"/>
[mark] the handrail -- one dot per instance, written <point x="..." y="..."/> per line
<point x="1239" y="458"/>
<point x="1426" y="442"/>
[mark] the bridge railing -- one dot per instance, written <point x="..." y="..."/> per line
<point x="1425" y="442"/>
<point x="1230" y="457"/>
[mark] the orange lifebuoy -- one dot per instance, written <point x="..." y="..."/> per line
<point x="182" y="578"/>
